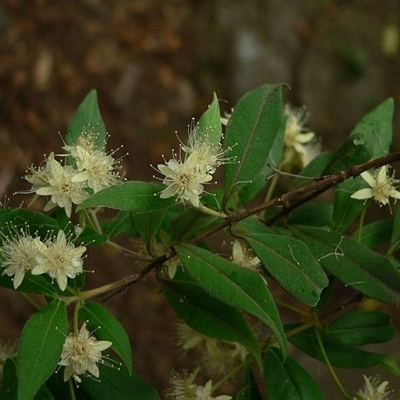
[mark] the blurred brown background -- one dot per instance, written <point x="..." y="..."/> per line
<point x="156" y="64"/>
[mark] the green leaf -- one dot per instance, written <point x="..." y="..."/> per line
<point x="375" y="233"/>
<point x="120" y="224"/>
<point x="287" y="259"/>
<point x="209" y="124"/>
<point x="312" y="214"/>
<point x="288" y="380"/>
<point x="189" y="223"/>
<point x="390" y="364"/>
<point x="31" y="284"/>
<point x="358" y="328"/>
<point x="239" y="287"/>
<point x="357" y="149"/>
<point x="148" y="224"/>
<point x="131" y="196"/>
<point x="208" y="315"/>
<point x="119" y="385"/>
<point x="87" y="120"/>
<point x="251" y="131"/>
<point x="339" y="354"/>
<point x="395" y="238"/>
<point x="249" y="390"/>
<point x="90" y="237"/>
<point x="107" y="327"/>
<point x="351" y="262"/>
<point x="8" y="387"/>
<point x="13" y="220"/>
<point x="39" y="352"/>
<point x="369" y="139"/>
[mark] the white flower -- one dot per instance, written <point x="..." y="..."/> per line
<point x="60" y="259"/>
<point x="373" y="390"/>
<point x="19" y="255"/>
<point x="298" y="141"/>
<point x="56" y="180"/>
<point x="184" y="180"/>
<point x="184" y="388"/>
<point x="81" y="353"/>
<point x="95" y="167"/>
<point x="382" y="187"/>
<point x="243" y="256"/>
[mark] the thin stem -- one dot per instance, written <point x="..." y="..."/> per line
<point x="212" y="212"/>
<point x="361" y="223"/>
<point x="271" y="188"/>
<point x="292" y="308"/>
<point x="95" y="221"/>
<point x="329" y="365"/>
<point x="130" y="253"/>
<point x="31" y="301"/>
<point x="76" y="316"/>
<point x="228" y="376"/>
<point x="71" y="389"/>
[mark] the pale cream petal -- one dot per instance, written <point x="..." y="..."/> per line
<point x="363" y="194"/>
<point x="367" y="176"/>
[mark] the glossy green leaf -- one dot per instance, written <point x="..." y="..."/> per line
<point x="107" y="327"/>
<point x="249" y="389"/>
<point x="351" y="262"/>
<point x="119" y="385"/>
<point x="239" y="287"/>
<point x="287" y="259"/>
<point x="251" y="131"/>
<point x="375" y="233"/>
<point x="131" y="196"/>
<point x="369" y="139"/>
<point x="87" y="120"/>
<point x="209" y="124"/>
<point x="40" y="348"/>
<point x="339" y="354"/>
<point x="358" y="328"/>
<point x="286" y="379"/>
<point x="208" y="315"/>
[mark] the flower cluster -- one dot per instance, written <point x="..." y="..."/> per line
<point x="183" y="387"/>
<point x="301" y="145"/>
<point x="382" y="187"/>
<point x="81" y="353"/>
<point x="56" y="256"/>
<point x="91" y="170"/>
<point x="186" y="175"/>
<point x="373" y="389"/>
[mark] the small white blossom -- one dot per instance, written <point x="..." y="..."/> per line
<point x="299" y="142"/>
<point x="94" y="166"/>
<point x="81" y="353"/>
<point x="382" y="187"/>
<point x="243" y="256"/>
<point x="373" y="389"/>
<point x="184" y="388"/>
<point x="57" y="181"/>
<point x="184" y="180"/>
<point x="60" y="259"/>
<point x="18" y="254"/>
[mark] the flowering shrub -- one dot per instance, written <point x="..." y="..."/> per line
<point x="221" y="294"/>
